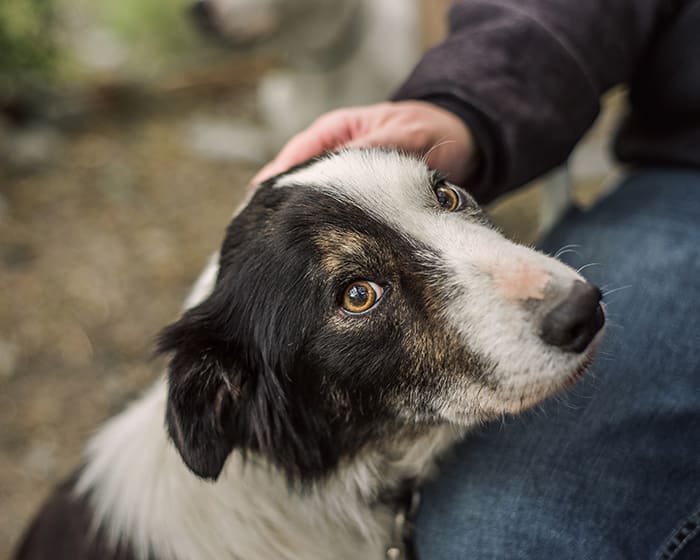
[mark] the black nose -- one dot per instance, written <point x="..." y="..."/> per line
<point x="573" y="323"/>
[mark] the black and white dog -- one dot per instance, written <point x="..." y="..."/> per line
<point x="361" y="315"/>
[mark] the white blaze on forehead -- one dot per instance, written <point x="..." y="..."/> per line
<point x="396" y="190"/>
<point x="489" y="276"/>
<point x="383" y="183"/>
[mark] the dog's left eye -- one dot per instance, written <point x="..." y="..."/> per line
<point x="361" y="296"/>
<point x="448" y="197"/>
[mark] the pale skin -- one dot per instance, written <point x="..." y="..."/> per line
<point x="416" y="127"/>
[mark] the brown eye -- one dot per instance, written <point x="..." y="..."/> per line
<point x="360" y="296"/>
<point x="448" y="198"/>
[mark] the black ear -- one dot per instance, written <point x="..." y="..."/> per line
<point x="203" y="390"/>
<point x="230" y="385"/>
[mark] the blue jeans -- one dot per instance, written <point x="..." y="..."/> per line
<point x="611" y="470"/>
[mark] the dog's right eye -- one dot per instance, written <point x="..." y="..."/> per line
<point x="448" y="197"/>
<point x="361" y="296"/>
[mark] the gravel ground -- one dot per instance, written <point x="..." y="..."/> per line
<point x="96" y="255"/>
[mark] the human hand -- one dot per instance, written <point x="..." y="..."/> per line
<point x="416" y="127"/>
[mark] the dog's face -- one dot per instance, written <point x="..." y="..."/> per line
<point x="360" y="296"/>
<point x="276" y="24"/>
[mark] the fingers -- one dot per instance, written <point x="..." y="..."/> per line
<point x="412" y="126"/>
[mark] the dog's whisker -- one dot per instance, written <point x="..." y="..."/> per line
<point x="438" y="144"/>
<point x="608" y="359"/>
<point x="585" y="266"/>
<point x="566" y="249"/>
<point x="615" y="290"/>
<point x="567" y="402"/>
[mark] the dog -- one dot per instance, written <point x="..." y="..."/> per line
<point x="360" y="316"/>
<point x="337" y="54"/>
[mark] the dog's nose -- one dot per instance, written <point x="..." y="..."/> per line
<point x="573" y="323"/>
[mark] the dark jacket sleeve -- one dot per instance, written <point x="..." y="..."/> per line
<point x="527" y="75"/>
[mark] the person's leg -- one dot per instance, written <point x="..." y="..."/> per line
<point x="611" y="470"/>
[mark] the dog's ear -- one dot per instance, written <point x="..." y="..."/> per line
<point x="204" y="390"/>
<point x="230" y="386"/>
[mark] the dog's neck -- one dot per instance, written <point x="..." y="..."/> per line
<point x="138" y="485"/>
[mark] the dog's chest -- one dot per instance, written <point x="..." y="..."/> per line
<point x="271" y="522"/>
<point x="141" y="493"/>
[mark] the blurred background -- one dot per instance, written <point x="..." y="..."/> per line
<point x="128" y="133"/>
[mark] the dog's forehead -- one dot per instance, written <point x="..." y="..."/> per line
<point x="397" y="190"/>
<point x="382" y="182"/>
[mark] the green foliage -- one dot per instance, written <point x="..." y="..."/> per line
<point x="26" y="44"/>
<point x="43" y="42"/>
<point x="157" y="29"/>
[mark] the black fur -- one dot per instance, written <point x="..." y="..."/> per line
<point x="262" y="365"/>
<point x="63" y="531"/>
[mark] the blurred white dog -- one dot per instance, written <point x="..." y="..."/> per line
<point x="338" y="54"/>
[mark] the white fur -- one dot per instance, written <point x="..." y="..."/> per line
<point x="143" y="494"/>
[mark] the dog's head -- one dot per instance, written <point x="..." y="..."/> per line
<point x="277" y="25"/>
<point x="358" y="296"/>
